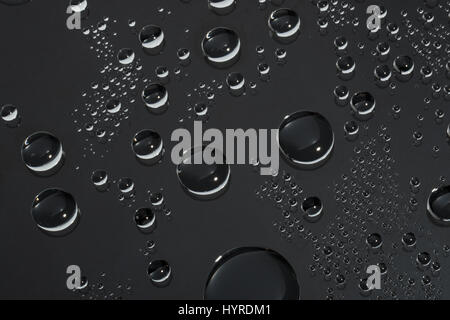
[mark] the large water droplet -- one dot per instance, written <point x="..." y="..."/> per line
<point x="156" y="97"/>
<point x="55" y="211"/>
<point x="147" y="146"/>
<point x="222" y="6"/>
<point x="221" y="47"/>
<point x="160" y="272"/>
<point x="203" y="181"/>
<point x="284" y="25"/>
<point x="42" y="153"/>
<point x="438" y="205"/>
<point x="152" y="39"/>
<point x="363" y="105"/>
<point x="252" y="274"/>
<point x="126" y="56"/>
<point x="306" y="139"/>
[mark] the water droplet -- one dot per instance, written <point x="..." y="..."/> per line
<point x="222" y="7"/>
<point x="438" y="205"/>
<point x="42" y="153"/>
<point x="55" y="211"/>
<point x="113" y="106"/>
<point x="100" y="180"/>
<point x="313" y="209"/>
<point x="252" y="274"/>
<point x="221" y="47"/>
<point x="160" y="273"/>
<point x="152" y="39"/>
<point x="204" y="181"/>
<point x="363" y="105"/>
<point x="126" y="56"/>
<point x="148" y="146"/>
<point x="145" y="219"/>
<point x="284" y="25"/>
<point x="10" y="115"/>
<point x="156" y="97"/>
<point x="306" y="139"/>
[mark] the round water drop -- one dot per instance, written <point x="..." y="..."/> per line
<point x="313" y="209"/>
<point x="222" y="6"/>
<point x="204" y="181"/>
<point x="42" y="153"/>
<point x="374" y="241"/>
<point x="404" y="65"/>
<point x="340" y="43"/>
<point x="147" y="145"/>
<point x="113" y="106"/>
<point x="201" y="109"/>
<point x="55" y="212"/>
<point x="382" y="74"/>
<point x="126" y="185"/>
<point x="284" y="25"/>
<point x="184" y="55"/>
<point x="145" y="219"/>
<point x="409" y="240"/>
<point x="351" y="129"/>
<point x="346" y="66"/>
<point x="221" y="47"/>
<point x="252" y="274"/>
<point x="152" y="39"/>
<point x="160" y="272"/>
<point x="306" y="139"/>
<point x="156" y="98"/>
<point x="363" y="105"/>
<point x="10" y="115"/>
<point x="126" y="56"/>
<point x="438" y="205"/>
<point x="157" y="199"/>
<point x="236" y="83"/>
<point x="100" y="180"/>
<point x="78" y="5"/>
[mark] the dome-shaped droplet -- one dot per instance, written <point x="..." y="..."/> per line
<point x="113" y="106"/>
<point x="100" y="180"/>
<point x="204" y="181"/>
<point x="404" y="65"/>
<point x="306" y="139"/>
<point x="438" y="205"/>
<point x="221" y="47"/>
<point x="42" y="153"/>
<point x="374" y="241"/>
<point x="125" y="185"/>
<point x="78" y="5"/>
<point x="222" y="6"/>
<point x="346" y="65"/>
<point x="152" y="38"/>
<point x="10" y="115"/>
<point x="160" y="272"/>
<point x="252" y="274"/>
<point x="363" y="105"/>
<point x="144" y="218"/>
<point x="284" y="24"/>
<point x="313" y="208"/>
<point x="156" y="97"/>
<point x="126" y="56"/>
<point x="55" y="211"/>
<point x="147" y="145"/>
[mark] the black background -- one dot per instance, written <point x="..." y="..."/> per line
<point x="44" y="68"/>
